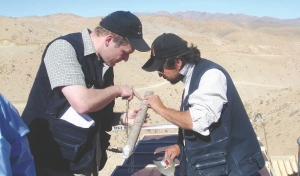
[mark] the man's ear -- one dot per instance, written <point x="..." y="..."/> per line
<point x="109" y="38"/>
<point x="179" y="64"/>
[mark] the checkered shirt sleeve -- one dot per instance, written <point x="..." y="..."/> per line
<point x="62" y="65"/>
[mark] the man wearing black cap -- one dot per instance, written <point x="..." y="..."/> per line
<point x="70" y="106"/>
<point x="215" y="135"/>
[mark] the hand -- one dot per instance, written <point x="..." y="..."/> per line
<point x="154" y="102"/>
<point x="132" y="116"/>
<point x="127" y="92"/>
<point x="172" y="151"/>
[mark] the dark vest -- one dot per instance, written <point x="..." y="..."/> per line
<point x="232" y="147"/>
<point x="55" y="143"/>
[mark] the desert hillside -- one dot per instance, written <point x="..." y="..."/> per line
<point x="263" y="60"/>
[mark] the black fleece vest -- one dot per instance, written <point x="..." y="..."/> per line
<point x="232" y="147"/>
<point x="55" y="143"/>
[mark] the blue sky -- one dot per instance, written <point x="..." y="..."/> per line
<point x="282" y="9"/>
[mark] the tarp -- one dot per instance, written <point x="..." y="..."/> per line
<point x="15" y="155"/>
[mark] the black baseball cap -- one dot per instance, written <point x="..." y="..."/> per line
<point x="126" y="25"/>
<point x="163" y="47"/>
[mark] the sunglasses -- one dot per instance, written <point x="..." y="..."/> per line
<point x="161" y="70"/>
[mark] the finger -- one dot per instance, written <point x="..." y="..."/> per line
<point x="137" y="95"/>
<point x="172" y="157"/>
<point x="130" y="122"/>
<point x="125" y="98"/>
<point x="130" y="98"/>
<point x="147" y="97"/>
<point x="137" y="109"/>
<point x="166" y="154"/>
<point x="149" y="105"/>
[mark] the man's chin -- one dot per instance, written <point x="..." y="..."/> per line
<point x="176" y="80"/>
<point x="173" y="82"/>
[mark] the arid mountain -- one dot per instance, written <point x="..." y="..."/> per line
<point x="194" y="15"/>
<point x="261" y="55"/>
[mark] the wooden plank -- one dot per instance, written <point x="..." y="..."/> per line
<point x="275" y="167"/>
<point x="281" y="167"/>
<point x="294" y="164"/>
<point x="292" y="159"/>
<point x="288" y="167"/>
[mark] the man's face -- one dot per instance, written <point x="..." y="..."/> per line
<point x="170" y="74"/>
<point x="115" y="54"/>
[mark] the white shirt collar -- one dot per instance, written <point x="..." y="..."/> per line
<point x="187" y="71"/>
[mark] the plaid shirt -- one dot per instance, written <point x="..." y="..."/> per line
<point x="62" y="65"/>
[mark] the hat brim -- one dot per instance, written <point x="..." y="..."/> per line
<point x="153" y="64"/>
<point x="139" y="44"/>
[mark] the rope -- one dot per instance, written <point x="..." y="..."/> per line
<point x="131" y="165"/>
<point x="126" y="117"/>
<point x="257" y="117"/>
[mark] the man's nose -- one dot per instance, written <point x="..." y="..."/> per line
<point x="160" y="74"/>
<point x="126" y="58"/>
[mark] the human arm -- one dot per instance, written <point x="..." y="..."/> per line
<point x="181" y="119"/>
<point x="65" y="74"/>
<point x="207" y="101"/>
<point x="85" y="100"/>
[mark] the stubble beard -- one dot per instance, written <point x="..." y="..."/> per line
<point x="177" y="79"/>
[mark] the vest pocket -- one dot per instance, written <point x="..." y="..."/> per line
<point x="210" y="164"/>
<point x="69" y="149"/>
<point x="252" y="164"/>
<point x="208" y="155"/>
<point x="72" y="140"/>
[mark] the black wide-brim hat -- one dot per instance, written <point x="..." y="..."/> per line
<point x="126" y="25"/>
<point x="163" y="47"/>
